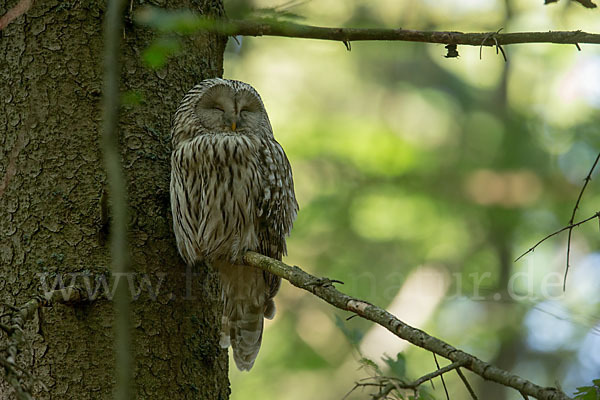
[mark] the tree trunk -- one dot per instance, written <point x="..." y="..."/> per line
<point x="51" y="213"/>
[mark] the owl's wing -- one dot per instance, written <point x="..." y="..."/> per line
<point x="186" y="198"/>
<point x="278" y="209"/>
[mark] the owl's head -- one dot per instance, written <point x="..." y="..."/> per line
<point x="221" y="106"/>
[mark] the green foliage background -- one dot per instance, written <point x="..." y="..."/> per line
<point x="418" y="176"/>
<point x="420" y="179"/>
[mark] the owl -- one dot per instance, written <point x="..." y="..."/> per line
<point x="231" y="191"/>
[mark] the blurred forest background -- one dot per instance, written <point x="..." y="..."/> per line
<point x="420" y="179"/>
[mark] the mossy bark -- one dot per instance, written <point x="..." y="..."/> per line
<point x="51" y="208"/>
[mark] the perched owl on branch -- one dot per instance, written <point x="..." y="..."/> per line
<point x="231" y="192"/>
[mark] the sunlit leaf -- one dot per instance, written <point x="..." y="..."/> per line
<point x="589" y="392"/>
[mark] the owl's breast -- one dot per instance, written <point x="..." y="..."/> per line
<point x="231" y="187"/>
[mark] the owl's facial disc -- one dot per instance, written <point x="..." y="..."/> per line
<point x="248" y="110"/>
<point x="216" y="108"/>
<point x="224" y="109"/>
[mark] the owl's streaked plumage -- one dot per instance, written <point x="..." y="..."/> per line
<point x="231" y="192"/>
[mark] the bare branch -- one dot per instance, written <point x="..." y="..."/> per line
<point x="587" y="179"/>
<point x="189" y="23"/>
<point x="568" y="227"/>
<point x="387" y="385"/>
<point x="439" y="372"/>
<point x="437" y="364"/>
<point x="15" y="12"/>
<point x="466" y="382"/>
<point x="586" y="3"/>
<point x="289" y="29"/>
<point x="325" y="290"/>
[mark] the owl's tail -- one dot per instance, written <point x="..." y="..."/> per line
<point x="246" y="304"/>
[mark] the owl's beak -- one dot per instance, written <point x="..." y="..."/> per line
<point x="233" y="126"/>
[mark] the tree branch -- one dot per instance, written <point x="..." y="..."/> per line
<point x="587" y="3"/>
<point x="437" y="364"/>
<point x="568" y="227"/>
<point x="186" y="22"/>
<point x="439" y="372"/>
<point x="466" y="382"/>
<point x="325" y="290"/>
<point x="587" y="179"/>
<point x="387" y="385"/>
<point x="15" y="12"/>
<point x="289" y="29"/>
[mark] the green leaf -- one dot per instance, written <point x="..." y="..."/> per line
<point x="397" y="365"/>
<point x="159" y="51"/>
<point x="589" y="392"/>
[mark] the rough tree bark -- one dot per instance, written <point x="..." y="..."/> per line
<point x="51" y="184"/>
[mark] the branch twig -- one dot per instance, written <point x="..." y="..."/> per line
<point x="587" y="3"/>
<point x="417" y="337"/>
<point x="188" y="23"/>
<point x="436" y="373"/>
<point x="288" y="29"/>
<point x="389" y="384"/>
<point x="466" y="382"/>
<point x="568" y="227"/>
<point x="587" y="179"/>
<point x="437" y="364"/>
<point x="15" y="12"/>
